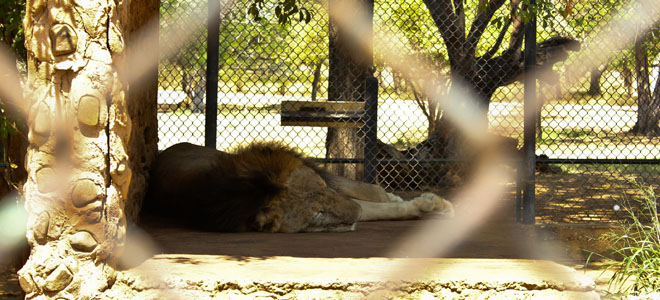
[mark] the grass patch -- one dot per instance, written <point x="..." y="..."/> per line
<point x="636" y="247"/>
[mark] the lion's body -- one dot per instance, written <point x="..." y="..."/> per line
<point x="266" y="187"/>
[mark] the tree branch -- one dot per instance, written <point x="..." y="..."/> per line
<point x="518" y="30"/>
<point x="449" y="25"/>
<point x="514" y="14"/>
<point x="479" y="25"/>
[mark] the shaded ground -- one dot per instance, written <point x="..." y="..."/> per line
<point x="9" y="288"/>
<point x="561" y="199"/>
<point x="588" y="194"/>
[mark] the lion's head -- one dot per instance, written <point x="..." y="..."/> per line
<point x="306" y="204"/>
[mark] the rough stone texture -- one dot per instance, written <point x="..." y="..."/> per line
<point x="64" y="39"/>
<point x="58" y="279"/>
<point x="89" y="109"/>
<point x="82" y="241"/>
<point x="81" y="133"/>
<point x="84" y="192"/>
<point x="141" y="106"/>
<point x="177" y="276"/>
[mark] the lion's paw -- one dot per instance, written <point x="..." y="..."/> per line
<point x="424" y="204"/>
<point x="442" y="207"/>
<point x="439" y="206"/>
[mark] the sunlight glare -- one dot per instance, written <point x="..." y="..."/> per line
<point x="13" y="224"/>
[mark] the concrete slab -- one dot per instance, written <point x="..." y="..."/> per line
<point x="494" y="262"/>
<point x="178" y="276"/>
<point x="370" y="239"/>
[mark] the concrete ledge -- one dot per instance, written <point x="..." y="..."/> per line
<point x="173" y="276"/>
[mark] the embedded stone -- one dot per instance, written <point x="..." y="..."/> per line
<point x="42" y="124"/>
<point x="40" y="227"/>
<point x="115" y="39"/>
<point x="63" y="38"/>
<point x="44" y="178"/>
<point x="82" y="241"/>
<point x="121" y="167"/>
<point x="84" y="192"/>
<point x="36" y="6"/>
<point x="58" y="279"/>
<point x="27" y="283"/>
<point x="89" y="108"/>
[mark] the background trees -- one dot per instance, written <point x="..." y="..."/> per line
<point x="645" y="52"/>
<point x="13" y="131"/>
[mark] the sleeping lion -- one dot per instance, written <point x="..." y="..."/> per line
<point x="268" y="187"/>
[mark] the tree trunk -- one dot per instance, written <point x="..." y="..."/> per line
<point x="648" y="105"/>
<point x="316" y="78"/>
<point x="348" y="68"/>
<point x="594" y="80"/>
<point x="627" y="78"/>
<point x="91" y="141"/>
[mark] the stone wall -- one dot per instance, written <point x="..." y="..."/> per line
<point x="92" y="137"/>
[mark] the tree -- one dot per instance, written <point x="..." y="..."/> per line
<point x="586" y="17"/>
<point x="480" y="65"/>
<point x="348" y="68"/>
<point x="592" y="13"/>
<point x="347" y="71"/>
<point x="92" y="136"/>
<point x="13" y="130"/>
<point x="189" y="61"/>
<point x="648" y="98"/>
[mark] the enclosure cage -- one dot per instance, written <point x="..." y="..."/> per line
<point x="286" y="83"/>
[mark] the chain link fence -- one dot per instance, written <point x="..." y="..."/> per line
<point x="589" y="132"/>
<point x="296" y="85"/>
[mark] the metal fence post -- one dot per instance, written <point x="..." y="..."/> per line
<point x="213" y="47"/>
<point x="529" y="135"/>
<point x="371" y="129"/>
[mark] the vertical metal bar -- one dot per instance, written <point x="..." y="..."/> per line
<point x="519" y="187"/>
<point x="213" y="47"/>
<point x="369" y="57"/>
<point x="529" y="135"/>
<point x="371" y="105"/>
<point x="371" y="129"/>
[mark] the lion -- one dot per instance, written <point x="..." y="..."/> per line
<point x="269" y="187"/>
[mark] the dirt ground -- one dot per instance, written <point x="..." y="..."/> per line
<point x="592" y="194"/>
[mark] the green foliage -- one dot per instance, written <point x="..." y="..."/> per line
<point x="285" y="11"/>
<point x="11" y="25"/>
<point x="11" y="33"/>
<point x="638" y="244"/>
<point x="261" y="55"/>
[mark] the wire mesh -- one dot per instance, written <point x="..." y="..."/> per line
<point x="265" y="66"/>
<point x="591" y="122"/>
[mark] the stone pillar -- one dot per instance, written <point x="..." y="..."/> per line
<point x="91" y="141"/>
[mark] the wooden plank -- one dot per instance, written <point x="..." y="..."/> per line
<point x="328" y="106"/>
<point x="323" y="124"/>
<point x="322" y="114"/>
